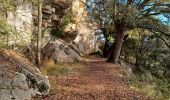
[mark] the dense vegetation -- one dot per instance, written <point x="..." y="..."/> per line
<point x="151" y="58"/>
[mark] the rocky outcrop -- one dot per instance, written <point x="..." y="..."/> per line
<point x="53" y="11"/>
<point x="86" y="40"/>
<point x="19" y="79"/>
<point x="14" y="88"/>
<point x="24" y="20"/>
<point x="81" y="33"/>
<point x="59" y="51"/>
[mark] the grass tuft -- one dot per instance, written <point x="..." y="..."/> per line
<point x="156" y="89"/>
<point x="57" y="71"/>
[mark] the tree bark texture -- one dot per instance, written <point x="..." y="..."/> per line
<point x="116" y="49"/>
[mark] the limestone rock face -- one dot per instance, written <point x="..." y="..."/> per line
<point x="15" y="87"/>
<point x="86" y="40"/>
<point x="82" y="43"/>
<point x="59" y="51"/>
<point x="53" y="11"/>
<point x="22" y="22"/>
<point x="19" y="79"/>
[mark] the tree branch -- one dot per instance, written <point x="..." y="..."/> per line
<point x="141" y="6"/>
<point x="129" y="2"/>
<point x="164" y="40"/>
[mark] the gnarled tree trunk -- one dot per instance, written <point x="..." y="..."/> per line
<point x="115" y="52"/>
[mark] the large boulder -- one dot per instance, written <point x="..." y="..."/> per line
<point x="19" y="79"/>
<point x="59" y="51"/>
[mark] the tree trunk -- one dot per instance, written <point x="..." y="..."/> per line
<point x="115" y="53"/>
<point x="105" y="50"/>
<point x="38" y="58"/>
<point x="110" y="50"/>
<point x="137" y="59"/>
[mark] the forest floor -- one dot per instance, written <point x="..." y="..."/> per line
<point x="94" y="79"/>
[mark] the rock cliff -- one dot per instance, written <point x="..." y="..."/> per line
<point x="86" y="40"/>
<point x="81" y="33"/>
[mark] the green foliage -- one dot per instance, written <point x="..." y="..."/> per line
<point x="59" y="29"/>
<point x="5" y="27"/>
<point x="153" y="66"/>
<point x="153" y="56"/>
<point x="5" y="31"/>
<point x="129" y="48"/>
<point x="135" y="15"/>
<point x="156" y="89"/>
<point x="7" y="5"/>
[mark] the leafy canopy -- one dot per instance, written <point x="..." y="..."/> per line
<point x="142" y="14"/>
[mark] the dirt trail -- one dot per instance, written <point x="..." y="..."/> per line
<point x="98" y="80"/>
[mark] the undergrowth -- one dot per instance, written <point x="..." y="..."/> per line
<point x="155" y="88"/>
<point x="56" y="71"/>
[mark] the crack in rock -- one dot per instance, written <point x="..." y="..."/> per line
<point x="12" y="88"/>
